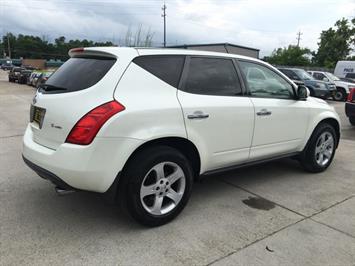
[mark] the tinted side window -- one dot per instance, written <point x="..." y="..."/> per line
<point x="79" y="73"/>
<point x="266" y="83"/>
<point x="166" y="67"/>
<point x="212" y="76"/>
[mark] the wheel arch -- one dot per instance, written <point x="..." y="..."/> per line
<point x="335" y="124"/>
<point x="332" y="120"/>
<point x="185" y="146"/>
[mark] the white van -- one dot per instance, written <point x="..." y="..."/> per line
<point x="345" y="69"/>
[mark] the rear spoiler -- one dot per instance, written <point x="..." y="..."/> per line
<point x="76" y="52"/>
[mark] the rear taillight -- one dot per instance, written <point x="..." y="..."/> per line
<point x="87" y="127"/>
<point x="351" y="96"/>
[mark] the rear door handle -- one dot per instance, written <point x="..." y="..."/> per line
<point x="263" y="112"/>
<point x="198" y="115"/>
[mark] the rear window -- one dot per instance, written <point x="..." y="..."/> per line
<point x="290" y="74"/>
<point x="166" y="67"/>
<point x="78" y="73"/>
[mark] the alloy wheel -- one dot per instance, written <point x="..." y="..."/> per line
<point x="162" y="188"/>
<point x="324" y="148"/>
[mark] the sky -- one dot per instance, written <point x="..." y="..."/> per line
<point x="261" y="24"/>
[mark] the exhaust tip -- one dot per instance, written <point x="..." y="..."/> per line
<point x="61" y="191"/>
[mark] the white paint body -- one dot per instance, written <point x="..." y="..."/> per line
<point x="232" y="134"/>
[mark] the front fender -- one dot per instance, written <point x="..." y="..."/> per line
<point x="316" y="119"/>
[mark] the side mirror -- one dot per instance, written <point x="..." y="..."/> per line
<point x="325" y="79"/>
<point x="302" y="92"/>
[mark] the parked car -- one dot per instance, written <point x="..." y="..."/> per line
<point x="24" y="75"/>
<point x="350" y="107"/>
<point x="345" y="69"/>
<point x="317" y="88"/>
<point x="348" y="80"/>
<point x="30" y="78"/>
<point x="343" y="88"/>
<point x="143" y="127"/>
<point x="43" y="77"/>
<point x="14" y="74"/>
<point x="7" y="66"/>
<point x="35" y="78"/>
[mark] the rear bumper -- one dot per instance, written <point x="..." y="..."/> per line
<point x="47" y="175"/>
<point x="350" y="109"/>
<point x="93" y="167"/>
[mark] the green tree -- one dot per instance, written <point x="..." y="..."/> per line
<point x="28" y="46"/>
<point x="290" y="56"/>
<point x="335" y="43"/>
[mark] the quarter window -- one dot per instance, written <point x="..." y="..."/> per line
<point x="166" y="67"/>
<point x="263" y="82"/>
<point x="212" y="76"/>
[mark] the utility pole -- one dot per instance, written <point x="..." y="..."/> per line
<point x="299" y="38"/>
<point x="164" y="17"/>
<point x="8" y="45"/>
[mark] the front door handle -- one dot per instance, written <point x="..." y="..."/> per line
<point x="263" y="112"/>
<point x="198" y="115"/>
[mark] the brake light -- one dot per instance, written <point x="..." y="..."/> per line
<point x="351" y="96"/>
<point x="76" y="50"/>
<point x="87" y="127"/>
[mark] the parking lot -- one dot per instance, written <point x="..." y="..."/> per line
<point x="270" y="214"/>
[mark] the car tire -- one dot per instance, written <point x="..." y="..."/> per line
<point x="340" y="95"/>
<point x="320" y="149"/>
<point x="352" y="120"/>
<point x="145" y="190"/>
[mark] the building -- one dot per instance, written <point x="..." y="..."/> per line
<point x="36" y="63"/>
<point x="222" y="48"/>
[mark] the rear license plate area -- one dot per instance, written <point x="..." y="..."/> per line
<point x="37" y="115"/>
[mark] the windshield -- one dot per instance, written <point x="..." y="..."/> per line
<point x="303" y="74"/>
<point x="332" y="76"/>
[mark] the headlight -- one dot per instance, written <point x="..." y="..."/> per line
<point x="320" y="85"/>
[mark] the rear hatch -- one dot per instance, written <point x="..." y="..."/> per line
<point x="87" y="80"/>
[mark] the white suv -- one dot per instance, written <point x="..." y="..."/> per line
<point x="142" y="124"/>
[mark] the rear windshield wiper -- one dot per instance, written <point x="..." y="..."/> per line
<point x="48" y="87"/>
